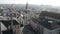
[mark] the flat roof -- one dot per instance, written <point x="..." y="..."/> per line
<point x="49" y="25"/>
<point x="47" y="22"/>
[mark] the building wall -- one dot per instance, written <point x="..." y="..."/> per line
<point x="16" y="29"/>
<point x="33" y="25"/>
<point x="38" y="28"/>
<point x="47" y="31"/>
<point x="41" y="29"/>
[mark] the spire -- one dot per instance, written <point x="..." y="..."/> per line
<point x="26" y="5"/>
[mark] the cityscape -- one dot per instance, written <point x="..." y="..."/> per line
<point x="29" y="19"/>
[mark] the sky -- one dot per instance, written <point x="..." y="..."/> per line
<point x="35" y="2"/>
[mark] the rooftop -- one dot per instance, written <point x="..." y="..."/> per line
<point x="49" y="24"/>
<point x="50" y="14"/>
<point x="8" y="22"/>
<point x="49" y="20"/>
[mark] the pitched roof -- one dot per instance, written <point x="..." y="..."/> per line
<point x="50" y="14"/>
<point x="3" y="28"/>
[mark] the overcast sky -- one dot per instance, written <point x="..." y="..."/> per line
<point x="37" y="2"/>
